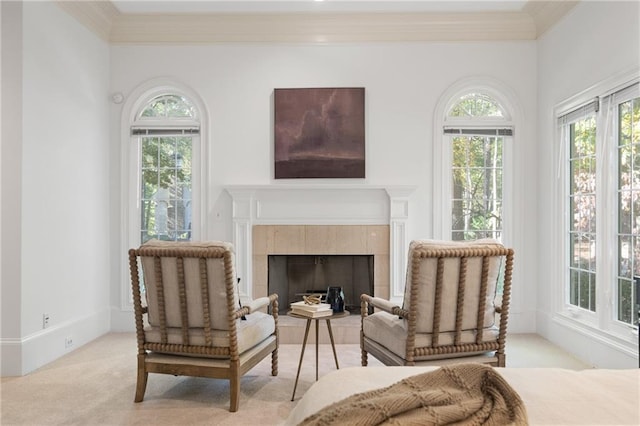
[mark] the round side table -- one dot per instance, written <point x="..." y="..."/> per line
<point x="306" y="335"/>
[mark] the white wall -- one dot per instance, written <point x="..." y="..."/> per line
<point x="11" y="148"/>
<point x="403" y="83"/>
<point x="595" y="42"/>
<point x="64" y="224"/>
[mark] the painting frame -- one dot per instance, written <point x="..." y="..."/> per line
<point x="319" y="133"/>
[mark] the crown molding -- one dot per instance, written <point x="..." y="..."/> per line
<point x="546" y="14"/>
<point x="97" y="16"/>
<point x="103" y="18"/>
<point x="321" y="28"/>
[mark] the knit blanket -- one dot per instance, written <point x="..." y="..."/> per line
<point x="461" y="394"/>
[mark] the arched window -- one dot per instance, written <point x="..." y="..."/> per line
<point x="164" y="130"/>
<point x="164" y="165"/>
<point x="475" y="136"/>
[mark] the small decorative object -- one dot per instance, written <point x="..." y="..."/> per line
<point x="335" y="298"/>
<point x="313" y="299"/>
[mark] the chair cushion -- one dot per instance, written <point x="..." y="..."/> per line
<point x="427" y="270"/>
<point x="391" y="332"/>
<point x="217" y="281"/>
<point x="257" y="327"/>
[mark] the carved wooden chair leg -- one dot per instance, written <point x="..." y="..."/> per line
<point x="274" y="363"/>
<point x="234" y="389"/>
<point x="141" y="384"/>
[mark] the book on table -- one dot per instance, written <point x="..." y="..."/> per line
<point x="301" y="306"/>
<point x="312" y="314"/>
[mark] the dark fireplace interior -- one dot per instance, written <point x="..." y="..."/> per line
<point x="293" y="276"/>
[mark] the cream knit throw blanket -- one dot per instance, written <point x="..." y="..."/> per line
<point x="462" y="394"/>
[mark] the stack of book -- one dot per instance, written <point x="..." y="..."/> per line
<point x="316" y="310"/>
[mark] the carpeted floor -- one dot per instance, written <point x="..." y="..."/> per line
<point x="94" y="385"/>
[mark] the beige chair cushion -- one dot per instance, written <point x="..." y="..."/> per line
<point x="257" y="327"/>
<point x="427" y="270"/>
<point x="216" y="286"/>
<point x="391" y="332"/>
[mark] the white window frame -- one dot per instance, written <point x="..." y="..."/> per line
<point x="442" y="151"/>
<point x="603" y="322"/>
<point x="130" y="171"/>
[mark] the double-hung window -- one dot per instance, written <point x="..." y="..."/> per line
<point x="163" y="134"/>
<point x="476" y="130"/>
<point x="600" y="142"/>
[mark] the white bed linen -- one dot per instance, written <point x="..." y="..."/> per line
<point x="552" y="396"/>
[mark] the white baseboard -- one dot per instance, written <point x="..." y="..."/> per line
<point x="22" y="356"/>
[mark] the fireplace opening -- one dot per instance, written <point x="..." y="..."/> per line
<point x="294" y="276"/>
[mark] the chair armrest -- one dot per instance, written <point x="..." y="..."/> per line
<point x="257" y="304"/>
<point x="384" y="305"/>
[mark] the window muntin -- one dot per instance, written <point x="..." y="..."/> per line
<point x="628" y="196"/>
<point x="582" y="216"/>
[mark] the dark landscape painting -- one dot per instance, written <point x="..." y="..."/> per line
<point x="319" y="133"/>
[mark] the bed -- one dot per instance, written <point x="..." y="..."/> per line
<point x="551" y="396"/>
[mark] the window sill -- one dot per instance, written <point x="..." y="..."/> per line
<point x="625" y="341"/>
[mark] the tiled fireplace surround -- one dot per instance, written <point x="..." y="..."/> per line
<point x="320" y="219"/>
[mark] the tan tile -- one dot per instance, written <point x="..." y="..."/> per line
<point x="259" y="239"/>
<point x="352" y="240"/>
<point x="288" y="239"/>
<point x="378" y="239"/>
<point x="381" y="276"/>
<point x="260" y="273"/>
<point x="260" y="291"/>
<point x="320" y="239"/>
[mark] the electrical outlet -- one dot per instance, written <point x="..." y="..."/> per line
<point x="45" y="320"/>
<point x="68" y="342"/>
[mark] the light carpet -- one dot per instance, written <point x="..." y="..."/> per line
<point x="95" y="385"/>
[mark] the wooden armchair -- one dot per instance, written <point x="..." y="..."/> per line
<point x="449" y="310"/>
<point x="192" y="323"/>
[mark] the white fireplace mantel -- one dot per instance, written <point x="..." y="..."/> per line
<point x="321" y="204"/>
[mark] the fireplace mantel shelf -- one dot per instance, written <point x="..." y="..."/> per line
<point x="395" y="189"/>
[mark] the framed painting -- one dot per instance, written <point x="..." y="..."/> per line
<point x="319" y="133"/>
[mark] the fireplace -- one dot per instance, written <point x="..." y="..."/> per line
<point x="294" y="276"/>
<point x="329" y="250"/>
<point x="319" y="219"/>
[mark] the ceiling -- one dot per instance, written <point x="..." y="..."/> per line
<point x="309" y="21"/>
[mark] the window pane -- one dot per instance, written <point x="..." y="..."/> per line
<point x="476" y="105"/>
<point x="628" y="207"/>
<point x="625" y="301"/>
<point x="477" y="187"/>
<point x="166" y="188"/>
<point x="574" y="279"/>
<point x="168" y="106"/>
<point x="582" y="221"/>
